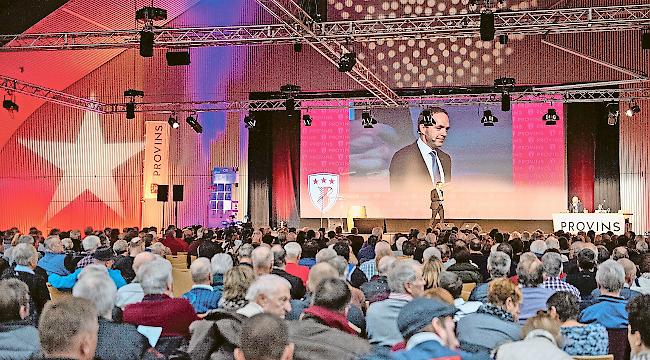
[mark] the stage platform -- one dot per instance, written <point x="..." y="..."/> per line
<point x="404" y="225"/>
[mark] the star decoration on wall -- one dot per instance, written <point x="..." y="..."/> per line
<point x="87" y="164"/>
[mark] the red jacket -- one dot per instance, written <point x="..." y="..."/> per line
<point x="173" y="315"/>
<point x="297" y="270"/>
<point x="175" y="245"/>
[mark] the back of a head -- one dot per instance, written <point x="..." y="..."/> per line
<point x="24" y="254"/>
<point x="220" y="263"/>
<point x="620" y="252"/>
<point x="638" y="310"/>
<point x="90" y="243"/>
<point x="340" y="264"/>
<point x="99" y="289"/>
<point x="544" y="321"/>
<point x="14" y="295"/>
<point x="385" y="264"/>
<point x="586" y="259"/>
<point x="141" y="259"/>
<point x="499" y="264"/>
<point x="382" y="248"/>
<point x="325" y="255"/>
<point x="530" y="271"/>
<point x="318" y="273"/>
<point x="538" y="247"/>
<point x="431" y="252"/>
<point x="264" y="329"/>
<point x="610" y="276"/>
<point x="236" y="282"/>
<point x="342" y="249"/>
<point x="332" y="294"/>
<point x="506" y="248"/>
<point x="566" y="304"/>
<point x="64" y="323"/>
<point x="279" y="256"/>
<point x="262" y="258"/>
<point x="245" y="251"/>
<point x="201" y="270"/>
<point x="155" y="276"/>
<point x="293" y="250"/>
<point x="500" y="290"/>
<point x="628" y="266"/>
<point x="451" y="282"/>
<point x="403" y="271"/>
<point x="552" y="264"/>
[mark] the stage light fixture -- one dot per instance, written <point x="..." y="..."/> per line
<point x="173" y="122"/>
<point x="194" y="124"/>
<point x="487" y="25"/>
<point x="613" y="114"/>
<point x="130" y="110"/>
<point x="297" y="47"/>
<point x="347" y="62"/>
<point x="367" y="120"/>
<point x="9" y="103"/>
<point x="150" y="13"/>
<point x="633" y="108"/>
<point x="249" y="121"/>
<point x="505" y="101"/>
<point x="488" y="119"/>
<point x="551" y="117"/>
<point x="146" y="43"/>
<point x="473" y="5"/>
<point x="426" y="118"/>
<point x="645" y="40"/>
<point x="290" y="106"/>
<point x="307" y="119"/>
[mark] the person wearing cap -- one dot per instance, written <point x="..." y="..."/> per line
<point x="427" y="326"/>
<point x="125" y="263"/>
<point x="422" y="164"/>
<point x="101" y="256"/>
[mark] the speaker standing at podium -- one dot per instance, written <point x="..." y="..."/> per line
<point x="437" y="198"/>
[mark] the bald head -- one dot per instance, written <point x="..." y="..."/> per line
<point x="318" y="273"/>
<point x="142" y="258"/>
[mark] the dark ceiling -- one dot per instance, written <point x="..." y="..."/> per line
<point x="16" y="16"/>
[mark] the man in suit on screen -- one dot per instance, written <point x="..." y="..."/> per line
<point x="437" y="199"/>
<point x="421" y="165"/>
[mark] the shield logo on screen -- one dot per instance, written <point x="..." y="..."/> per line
<point x="323" y="190"/>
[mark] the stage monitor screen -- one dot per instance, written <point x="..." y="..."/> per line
<point x="514" y="169"/>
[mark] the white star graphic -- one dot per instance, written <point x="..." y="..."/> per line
<point x="87" y="164"/>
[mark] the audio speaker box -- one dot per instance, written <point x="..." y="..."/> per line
<point x="163" y="193"/>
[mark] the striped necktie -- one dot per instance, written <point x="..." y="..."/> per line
<point x="434" y="167"/>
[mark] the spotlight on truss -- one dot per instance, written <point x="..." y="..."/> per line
<point x="633" y="108"/>
<point x="551" y="117"/>
<point x="9" y="103"/>
<point x="194" y="124"/>
<point x="249" y="121"/>
<point x="488" y="119"/>
<point x="173" y="122"/>
<point x="347" y="62"/>
<point x="613" y="114"/>
<point x="307" y="119"/>
<point x="367" y="120"/>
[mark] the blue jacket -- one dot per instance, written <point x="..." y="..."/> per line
<point x="53" y="264"/>
<point x="429" y="348"/>
<point x="68" y="281"/>
<point x="203" y="298"/>
<point x="308" y="262"/>
<point x="609" y="311"/>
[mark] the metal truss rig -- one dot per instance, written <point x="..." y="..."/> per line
<point x="534" y="22"/>
<point x="51" y="95"/>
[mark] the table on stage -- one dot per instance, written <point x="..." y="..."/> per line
<point x="598" y="222"/>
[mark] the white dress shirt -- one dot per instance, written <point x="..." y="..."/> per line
<point x="426" y="150"/>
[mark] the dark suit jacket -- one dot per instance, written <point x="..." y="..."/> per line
<point x="435" y="199"/>
<point x="407" y="169"/>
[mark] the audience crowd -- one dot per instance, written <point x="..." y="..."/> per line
<point x="306" y="294"/>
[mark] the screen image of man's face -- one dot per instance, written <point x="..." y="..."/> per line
<point x="435" y="135"/>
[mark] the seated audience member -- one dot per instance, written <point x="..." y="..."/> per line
<point x="514" y="258"/>
<point x="101" y="256"/>
<point x="377" y="288"/>
<point x="620" y="252"/>
<point x="369" y="268"/>
<point x="355" y="276"/>
<point x="158" y="308"/>
<point x="630" y="277"/>
<point x="405" y="282"/>
<point x="293" y="251"/>
<point x="309" y="250"/>
<point x="53" y="262"/>
<point x="236" y="282"/>
<point x="262" y="260"/>
<point x="90" y="244"/>
<point x="279" y="263"/>
<point x="25" y="259"/>
<point x="579" y="339"/>
<point x="530" y="272"/>
<point x="642" y="283"/>
<point x="202" y="296"/>
<point x="609" y="308"/>
<point x="125" y="263"/>
<point x="268" y="294"/>
<point x="552" y="264"/>
<point x="464" y="268"/>
<point x="498" y="266"/>
<point x="356" y="241"/>
<point x="476" y="255"/>
<point x="264" y="329"/>
<point x="430" y="252"/>
<point x="495" y="322"/>
<point x="115" y="341"/>
<point x="341" y="265"/>
<point x="18" y="338"/>
<point x="585" y="277"/>
<point x="367" y="251"/>
<point x="174" y="244"/>
<point x="639" y="328"/>
<point x="538" y="248"/>
<point x="119" y="249"/>
<point x="541" y="341"/>
<point x="244" y="254"/>
<point x="451" y="282"/>
<point x="132" y="293"/>
<point x="68" y="329"/>
<point x="431" y="270"/>
<point x="427" y="326"/>
<point x="159" y="249"/>
<point x="330" y="301"/>
<point x="219" y="265"/>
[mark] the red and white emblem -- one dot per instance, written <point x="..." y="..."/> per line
<point x="323" y="190"/>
